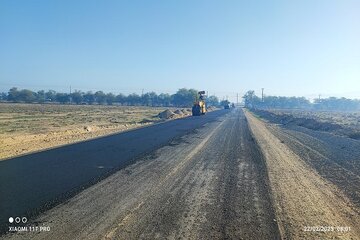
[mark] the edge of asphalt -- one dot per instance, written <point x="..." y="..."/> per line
<point x="96" y="137"/>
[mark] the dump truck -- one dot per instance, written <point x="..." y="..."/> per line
<point x="199" y="107"/>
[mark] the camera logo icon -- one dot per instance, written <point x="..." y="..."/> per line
<point x="17" y="220"/>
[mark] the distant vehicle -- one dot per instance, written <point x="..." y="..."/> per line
<point x="227" y="106"/>
<point x="199" y="107"/>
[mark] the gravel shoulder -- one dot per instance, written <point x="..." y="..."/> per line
<point x="303" y="198"/>
<point x="209" y="184"/>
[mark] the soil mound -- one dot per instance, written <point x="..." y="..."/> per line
<point x="184" y="111"/>
<point x="167" y="114"/>
<point x="178" y="111"/>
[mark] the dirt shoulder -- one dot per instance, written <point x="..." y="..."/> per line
<point x="307" y="205"/>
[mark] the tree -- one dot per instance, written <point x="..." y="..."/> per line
<point x="50" y="95"/>
<point x="120" y="98"/>
<point x="27" y="96"/>
<point x="133" y="99"/>
<point x="184" y="97"/>
<point x="110" y="98"/>
<point x="100" y="97"/>
<point x="149" y="99"/>
<point x="62" y="98"/>
<point x="164" y="99"/>
<point x="77" y="97"/>
<point x="89" y="98"/>
<point x="251" y="99"/>
<point x="212" y="101"/>
<point x="40" y="96"/>
<point x="3" y="96"/>
<point x="13" y="95"/>
<point x="334" y="104"/>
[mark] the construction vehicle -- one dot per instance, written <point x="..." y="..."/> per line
<point x="199" y="107"/>
<point x="226" y="104"/>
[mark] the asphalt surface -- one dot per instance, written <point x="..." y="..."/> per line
<point x="210" y="183"/>
<point x="33" y="183"/>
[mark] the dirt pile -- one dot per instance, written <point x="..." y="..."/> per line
<point x="174" y="114"/>
<point x="179" y="112"/>
<point x="167" y="114"/>
<point x="184" y="111"/>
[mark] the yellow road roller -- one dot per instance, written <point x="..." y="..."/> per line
<point x="199" y="107"/>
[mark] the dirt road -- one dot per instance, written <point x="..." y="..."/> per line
<point x="308" y="204"/>
<point x="208" y="184"/>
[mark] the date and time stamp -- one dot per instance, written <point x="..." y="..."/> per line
<point x="18" y="224"/>
<point x="339" y="229"/>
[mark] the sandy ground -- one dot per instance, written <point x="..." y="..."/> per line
<point x="208" y="184"/>
<point x="307" y="205"/>
<point x="26" y="128"/>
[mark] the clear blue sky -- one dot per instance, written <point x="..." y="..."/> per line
<point x="300" y="48"/>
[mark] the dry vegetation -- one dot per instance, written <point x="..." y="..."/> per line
<point x="348" y="119"/>
<point x="339" y="123"/>
<point x="26" y="128"/>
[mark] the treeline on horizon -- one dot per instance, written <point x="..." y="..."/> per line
<point x="275" y="102"/>
<point x="182" y="98"/>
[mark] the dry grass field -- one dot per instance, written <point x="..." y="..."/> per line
<point x="339" y="123"/>
<point x="346" y="119"/>
<point x="26" y="128"/>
